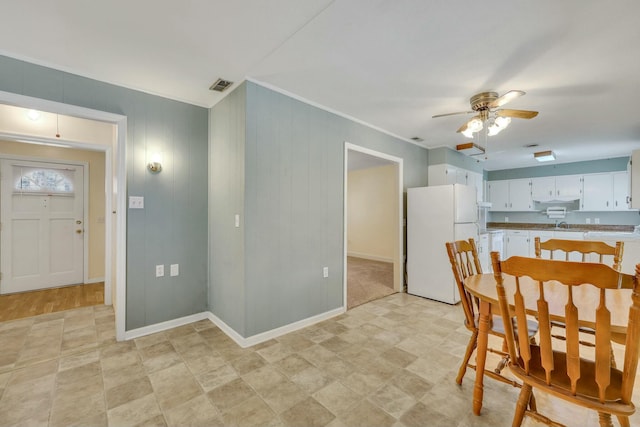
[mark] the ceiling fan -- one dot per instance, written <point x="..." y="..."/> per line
<point x="486" y="104"/>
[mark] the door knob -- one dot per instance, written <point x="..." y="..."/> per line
<point x="79" y="231"/>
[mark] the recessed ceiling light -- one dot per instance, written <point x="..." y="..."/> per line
<point x="470" y="149"/>
<point x="33" y="115"/>
<point x="544" y="156"/>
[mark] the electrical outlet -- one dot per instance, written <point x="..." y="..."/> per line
<point x="588" y="221"/>
<point x="506" y="219"/>
<point x="597" y="220"/>
<point x="136" y="202"/>
<point x="174" y="269"/>
<point x="325" y="272"/>
<point x="160" y="270"/>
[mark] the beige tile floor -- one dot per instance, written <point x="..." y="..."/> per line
<point x="390" y="362"/>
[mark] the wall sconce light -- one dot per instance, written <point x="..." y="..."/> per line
<point x="155" y="163"/>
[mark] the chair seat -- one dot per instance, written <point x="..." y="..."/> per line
<point x="587" y="388"/>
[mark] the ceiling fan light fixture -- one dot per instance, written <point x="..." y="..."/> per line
<point x="544" y="156"/>
<point x="500" y="123"/>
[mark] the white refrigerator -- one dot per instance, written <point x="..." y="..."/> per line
<point x="436" y="215"/>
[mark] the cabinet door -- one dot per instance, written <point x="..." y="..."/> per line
<point x="517" y="243"/>
<point x="543" y="188"/>
<point x="621" y="196"/>
<point x="598" y="192"/>
<point x="475" y="179"/>
<point x="520" y="195"/>
<point x="568" y="187"/>
<point x="483" y="252"/>
<point x="499" y="195"/>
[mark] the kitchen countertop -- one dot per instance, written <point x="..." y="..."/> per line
<point x="552" y="227"/>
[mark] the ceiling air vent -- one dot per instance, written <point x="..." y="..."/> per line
<point x="220" y="85"/>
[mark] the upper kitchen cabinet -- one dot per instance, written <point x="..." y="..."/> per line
<point x="556" y="188"/>
<point x="510" y="195"/>
<point x="443" y="174"/>
<point x="621" y="191"/>
<point x="606" y="192"/>
<point x="635" y="179"/>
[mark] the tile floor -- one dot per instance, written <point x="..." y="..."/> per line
<point x="390" y="362"/>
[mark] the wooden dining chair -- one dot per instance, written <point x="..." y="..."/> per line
<point x="563" y="249"/>
<point x="582" y="379"/>
<point x="463" y="256"/>
<point x="582" y="248"/>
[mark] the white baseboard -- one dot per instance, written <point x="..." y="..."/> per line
<point x="273" y="333"/>
<point x="369" y="256"/>
<point x="94" y="280"/>
<point x="239" y="339"/>
<point x="163" y="326"/>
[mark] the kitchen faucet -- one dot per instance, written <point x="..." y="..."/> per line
<point x="562" y="224"/>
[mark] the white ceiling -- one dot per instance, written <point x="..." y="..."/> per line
<point x="388" y="63"/>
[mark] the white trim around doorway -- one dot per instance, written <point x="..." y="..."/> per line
<point x="399" y="272"/>
<point x="115" y="198"/>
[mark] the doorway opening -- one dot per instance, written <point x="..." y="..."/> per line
<point x="114" y="149"/>
<point x="373" y="217"/>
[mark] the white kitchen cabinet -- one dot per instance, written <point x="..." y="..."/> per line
<point x="483" y="252"/>
<point x="510" y="195"/>
<point x="635" y="179"/>
<point x="598" y="192"/>
<point x="498" y="195"/>
<point x="543" y="188"/>
<point x="569" y="187"/>
<point x="621" y="193"/>
<point x="516" y="243"/>
<point x="476" y="179"/>
<point x="443" y="174"/>
<point x="562" y="187"/>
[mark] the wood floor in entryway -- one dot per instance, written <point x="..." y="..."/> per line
<point x="27" y="304"/>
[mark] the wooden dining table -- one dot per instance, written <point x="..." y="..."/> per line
<point x="483" y="286"/>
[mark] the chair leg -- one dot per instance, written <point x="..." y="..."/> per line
<point x="521" y="405"/>
<point x="532" y="403"/>
<point x="473" y="342"/>
<point x="624" y="421"/>
<point x="605" y="419"/>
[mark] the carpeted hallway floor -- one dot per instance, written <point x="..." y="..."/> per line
<point x="367" y="280"/>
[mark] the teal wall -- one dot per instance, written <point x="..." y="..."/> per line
<point x="226" y="199"/>
<point x="451" y="157"/>
<point x="293" y="206"/>
<point x="576" y="168"/>
<point x="170" y="229"/>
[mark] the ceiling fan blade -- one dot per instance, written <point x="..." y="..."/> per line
<point x="507" y="97"/>
<point x="452" y="114"/>
<point x="518" y="114"/>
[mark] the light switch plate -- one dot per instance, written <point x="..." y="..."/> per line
<point x="160" y="270"/>
<point x="174" y="269"/>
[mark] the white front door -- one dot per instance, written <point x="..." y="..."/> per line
<point x="42" y="234"/>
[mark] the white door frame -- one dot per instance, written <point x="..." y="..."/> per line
<point x="85" y="201"/>
<point x="115" y="188"/>
<point x="398" y="272"/>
